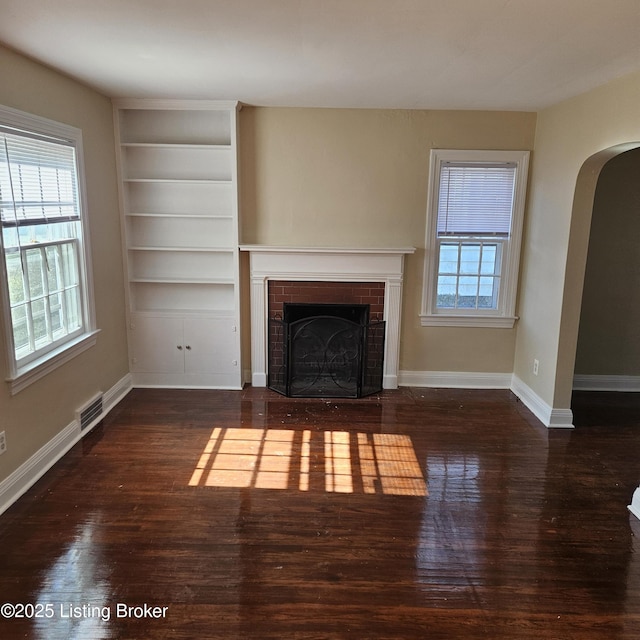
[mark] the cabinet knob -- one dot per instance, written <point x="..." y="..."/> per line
<point x="180" y="347"/>
<point x="188" y="347"/>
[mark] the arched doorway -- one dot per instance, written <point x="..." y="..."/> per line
<point x="583" y="206"/>
<point x="608" y="347"/>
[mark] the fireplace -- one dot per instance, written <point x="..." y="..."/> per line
<point x="325" y="350"/>
<point x="333" y="270"/>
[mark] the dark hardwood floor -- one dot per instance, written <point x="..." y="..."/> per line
<point x="412" y="514"/>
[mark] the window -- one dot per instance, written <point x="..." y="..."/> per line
<point x="474" y="225"/>
<point x="46" y="285"/>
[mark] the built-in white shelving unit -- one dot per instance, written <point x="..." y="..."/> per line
<point x="178" y="167"/>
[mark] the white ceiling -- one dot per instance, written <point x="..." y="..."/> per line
<point x="414" y="54"/>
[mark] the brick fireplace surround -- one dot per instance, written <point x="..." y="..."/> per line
<point x="329" y="275"/>
<point x="318" y="292"/>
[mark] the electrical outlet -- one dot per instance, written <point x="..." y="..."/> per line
<point x="536" y="364"/>
<point x="3" y="442"/>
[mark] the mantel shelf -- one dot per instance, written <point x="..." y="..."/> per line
<point x="263" y="248"/>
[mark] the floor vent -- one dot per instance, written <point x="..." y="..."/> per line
<point x="90" y="413"/>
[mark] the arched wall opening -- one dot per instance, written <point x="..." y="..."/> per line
<point x="580" y="231"/>
<point x="608" y="348"/>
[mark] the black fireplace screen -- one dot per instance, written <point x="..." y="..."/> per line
<point x="326" y="351"/>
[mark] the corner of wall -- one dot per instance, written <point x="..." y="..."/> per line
<point x="553" y="418"/>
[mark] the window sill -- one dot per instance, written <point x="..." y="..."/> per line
<point x="452" y="320"/>
<point x="51" y="361"/>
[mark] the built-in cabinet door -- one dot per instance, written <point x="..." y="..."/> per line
<point x="210" y="345"/>
<point x="157" y="344"/>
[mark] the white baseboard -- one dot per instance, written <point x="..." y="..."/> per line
<point x="455" y="379"/>
<point x="549" y="416"/>
<point x="626" y="384"/>
<point x="119" y="390"/>
<point x="25" y="476"/>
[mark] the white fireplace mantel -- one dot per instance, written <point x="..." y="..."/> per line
<point x="328" y="264"/>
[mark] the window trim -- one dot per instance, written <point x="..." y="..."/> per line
<point x="504" y="316"/>
<point x="20" y="377"/>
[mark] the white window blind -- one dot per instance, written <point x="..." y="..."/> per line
<point x="37" y="180"/>
<point x="475" y="199"/>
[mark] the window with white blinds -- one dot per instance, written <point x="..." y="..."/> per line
<point x="474" y="225"/>
<point x="45" y="286"/>
<point x="38" y="182"/>
<point x="475" y="199"/>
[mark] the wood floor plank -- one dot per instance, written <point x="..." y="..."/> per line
<point x="410" y="514"/>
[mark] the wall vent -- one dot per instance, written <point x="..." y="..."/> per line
<point x="91" y="413"/>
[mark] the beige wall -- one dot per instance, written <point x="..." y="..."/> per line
<point x="573" y="141"/>
<point x="340" y="177"/>
<point x="309" y="174"/>
<point x="608" y="338"/>
<point x="32" y="417"/>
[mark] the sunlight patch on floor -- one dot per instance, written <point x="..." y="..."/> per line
<point x="332" y="461"/>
